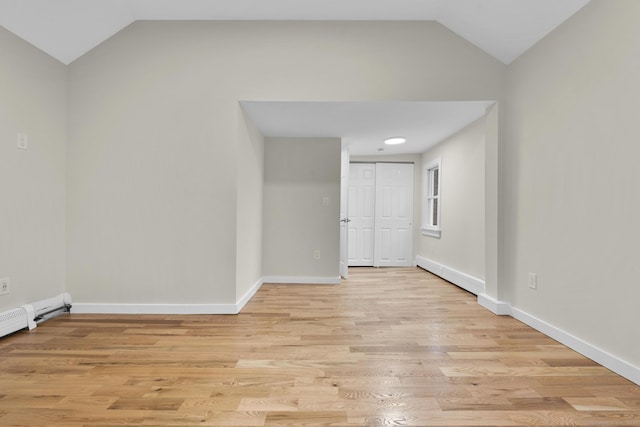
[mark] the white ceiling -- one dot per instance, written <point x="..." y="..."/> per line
<point x="363" y="126"/>
<point x="67" y="29"/>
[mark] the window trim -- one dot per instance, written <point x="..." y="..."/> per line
<point x="427" y="228"/>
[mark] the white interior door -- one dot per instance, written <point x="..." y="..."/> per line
<point x="344" y="218"/>
<point x="362" y="194"/>
<point x="393" y="245"/>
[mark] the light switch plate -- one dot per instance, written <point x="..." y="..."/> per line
<point x="23" y="141"/>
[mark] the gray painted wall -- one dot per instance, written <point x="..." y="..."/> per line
<point x="569" y="179"/>
<point x="299" y="174"/>
<point x="33" y="101"/>
<point x="461" y="245"/>
<point x="155" y="138"/>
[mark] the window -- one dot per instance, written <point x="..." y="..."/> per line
<point x="432" y="176"/>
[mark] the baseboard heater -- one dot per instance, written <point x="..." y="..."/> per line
<point x="29" y="315"/>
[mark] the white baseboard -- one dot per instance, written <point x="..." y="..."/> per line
<point x="97" y="308"/>
<point x="609" y="361"/>
<point x="303" y="280"/>
<point x="500" y="308"/>
<point x="458" y="278"/>
<point x="93" y="308"/>
<point x="102" y="308"/>
<point x="248" y="295"/>
<point x="476" y="286"/>
<point x="430" y="266"/>
<point x="606" y="359"/>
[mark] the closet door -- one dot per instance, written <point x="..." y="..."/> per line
<point x="362" y="193"/>
<point x="380" y="214"/>
<point x="393" y="234"/>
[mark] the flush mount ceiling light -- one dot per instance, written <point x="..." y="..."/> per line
<point x="395" y="140"/>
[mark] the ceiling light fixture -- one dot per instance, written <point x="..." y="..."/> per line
<point x="395" y="141"/>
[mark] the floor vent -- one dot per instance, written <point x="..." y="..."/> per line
<point x="13" y="320"/>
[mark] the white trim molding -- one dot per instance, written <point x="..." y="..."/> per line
<point x="500" y="308"/>
<point x="606" y="359"/>
<point x="97" y="308"/>
<point x="428" y="194"/>
<point x="458" y="278"/>
<point x="303" y="280"/>
<point x="431" y="232"/>
<point x="248" y="295"/>
<point x="476" y="286"/>
<point x="100" y="308"/>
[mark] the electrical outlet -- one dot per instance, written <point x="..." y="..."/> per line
<point x="316" y="254"/>
<point x="533" y="281"/>
<point x="5" y="286"/>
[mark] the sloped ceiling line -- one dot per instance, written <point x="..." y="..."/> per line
<point x="67" y="29"/>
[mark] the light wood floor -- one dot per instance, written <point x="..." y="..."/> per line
<point x="387" y="347"/>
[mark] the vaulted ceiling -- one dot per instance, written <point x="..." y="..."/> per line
<point x="66" y="29"/>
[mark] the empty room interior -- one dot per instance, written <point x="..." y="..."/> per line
<point x="201" y="222"/>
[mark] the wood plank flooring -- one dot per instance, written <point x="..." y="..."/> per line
<point x="386" y="347"/>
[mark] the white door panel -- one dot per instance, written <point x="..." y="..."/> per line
<point x="381" y="214"/>
<point x="367" y="245"/>
<point x="362" y="192"/>
<point x="394" y="215"/>
<point x="404" y="239"/>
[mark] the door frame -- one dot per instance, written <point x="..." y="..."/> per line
<point x="344" y="213"/>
